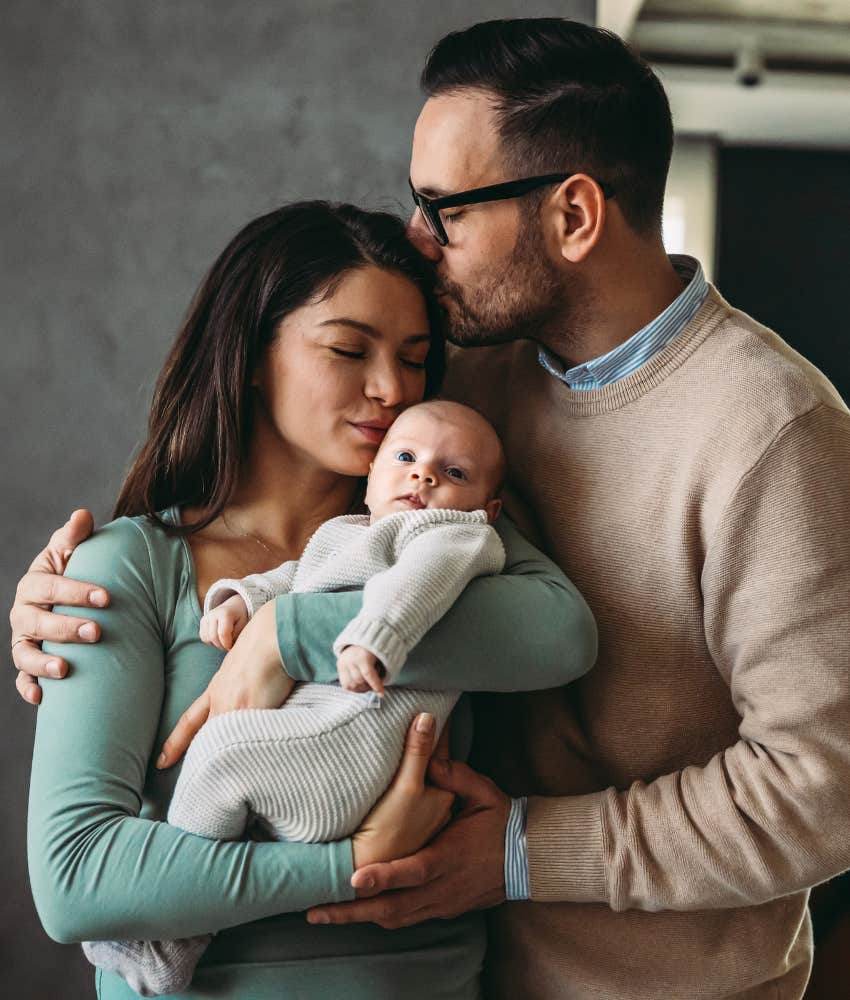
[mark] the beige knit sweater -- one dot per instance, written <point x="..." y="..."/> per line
<point x="689" y="789"/>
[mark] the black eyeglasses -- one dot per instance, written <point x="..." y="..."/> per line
<point x="431" y="207"/>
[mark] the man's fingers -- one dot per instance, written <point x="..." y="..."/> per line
<point x="28" y="689"/>
<point x="29" y="659"/>
<point x="441" y="750"/>
<point x="389" y="911"/>
<point x="405" y="873"/>
<point x="47" y="589"/>
<point x="418" y="748"/>
<point x="184" y="732"/>
<point x="468" y="785"/>
<point x="76" y="529"/>
<point x="34" y="623"/>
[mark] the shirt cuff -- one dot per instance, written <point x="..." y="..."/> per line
<point x="516" y="852"/>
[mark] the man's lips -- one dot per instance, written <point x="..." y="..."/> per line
<point x="373" y="432"/>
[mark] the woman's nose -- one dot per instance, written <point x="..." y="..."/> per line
<point x="386" y="385"/>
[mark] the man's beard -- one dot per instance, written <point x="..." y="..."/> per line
<point x="523" y="299"/>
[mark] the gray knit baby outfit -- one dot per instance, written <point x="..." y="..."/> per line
<point x="311" y="770"/>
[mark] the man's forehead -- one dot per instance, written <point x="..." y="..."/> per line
<point x="455" y="144"/>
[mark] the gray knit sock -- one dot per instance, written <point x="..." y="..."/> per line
<point x="151" y="968"/>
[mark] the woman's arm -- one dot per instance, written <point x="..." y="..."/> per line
<point x="97" y="869"/>
<point x="525" y="629"/>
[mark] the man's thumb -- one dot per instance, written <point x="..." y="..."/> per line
<point x="455" y="776"/>
<point x="78" y="527"/>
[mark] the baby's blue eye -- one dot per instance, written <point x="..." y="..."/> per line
<point x="455" y="473"/>
<point x="405" y="456"/>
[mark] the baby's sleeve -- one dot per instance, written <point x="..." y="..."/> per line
<point x="403" y="602"/>
<point x="255" y="590"/>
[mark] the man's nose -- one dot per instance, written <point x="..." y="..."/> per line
<point x="420" y="236"/>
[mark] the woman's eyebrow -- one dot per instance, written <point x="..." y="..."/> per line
<point x="370" y="331"/>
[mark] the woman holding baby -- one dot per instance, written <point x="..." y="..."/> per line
<point x="314" y="330"/>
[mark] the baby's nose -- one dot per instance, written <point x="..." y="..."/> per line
<point x="425" y="475"/>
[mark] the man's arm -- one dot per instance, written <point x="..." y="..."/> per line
<point x="769" y="815"/>
<point x="31" y="618"/>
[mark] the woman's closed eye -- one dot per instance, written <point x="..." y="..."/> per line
<point x="348" y="353"/>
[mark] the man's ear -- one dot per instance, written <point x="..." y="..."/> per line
<point x="580" y="209"/>
<point x="493" y="509"/>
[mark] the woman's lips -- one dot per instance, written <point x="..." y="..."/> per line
<point x="374" y="433"/>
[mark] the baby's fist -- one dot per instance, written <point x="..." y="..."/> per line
<point x="360" y="670"/>
<point x="221" y="626"/>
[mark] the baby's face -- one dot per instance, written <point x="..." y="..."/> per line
<point x="437" y="456"/>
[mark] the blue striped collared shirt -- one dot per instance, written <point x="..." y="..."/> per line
<point x="595" y="374"/>
<point x="638" y="349"/>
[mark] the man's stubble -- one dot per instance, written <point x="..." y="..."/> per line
<point x="525" y="297"/>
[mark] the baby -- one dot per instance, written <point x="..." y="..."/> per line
<point x="311" y="770"/>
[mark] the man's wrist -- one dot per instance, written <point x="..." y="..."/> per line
<point x="517" y="883"/>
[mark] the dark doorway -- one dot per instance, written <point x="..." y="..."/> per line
<point x="784" y="248"/>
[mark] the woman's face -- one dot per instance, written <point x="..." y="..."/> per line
<point x="341" y="370"/>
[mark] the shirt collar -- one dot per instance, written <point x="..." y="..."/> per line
<point x="638" y="349"/>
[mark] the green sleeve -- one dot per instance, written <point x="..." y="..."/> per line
<point x="97" y="869"/>
<point x="525" y="629"/>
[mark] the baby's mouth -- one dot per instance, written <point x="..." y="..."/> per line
<point x="413" y="500"/>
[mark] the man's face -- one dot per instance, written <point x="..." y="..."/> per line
<point x="496" y="278"/>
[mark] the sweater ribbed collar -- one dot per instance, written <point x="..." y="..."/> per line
<point x="587" y="402"/>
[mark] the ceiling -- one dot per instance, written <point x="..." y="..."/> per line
<point x="763" y="71"/>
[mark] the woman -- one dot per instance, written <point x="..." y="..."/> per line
<point x="312" y="331"/>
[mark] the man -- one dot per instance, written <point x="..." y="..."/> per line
<point x="690" y="473"/>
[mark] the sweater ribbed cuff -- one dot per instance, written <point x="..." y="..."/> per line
<point x="565" y="849"/>
<point x="379" y="638"/>
<point x="220" y="591"/>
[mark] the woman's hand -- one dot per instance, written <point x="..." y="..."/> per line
<point x="31" y="618"/>
<point x="250" y="676"/>
<point x="410" y="812"/>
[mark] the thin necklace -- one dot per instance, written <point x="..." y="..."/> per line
<point x="248" y="535"/>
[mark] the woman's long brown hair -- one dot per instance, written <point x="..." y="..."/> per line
<point x="200" y="420"/>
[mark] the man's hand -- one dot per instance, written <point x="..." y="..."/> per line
<point x="250" y="676"/>
<point x="41" y="588"/>
<point x="462" y="869"/>
<point x="360" y="670"/>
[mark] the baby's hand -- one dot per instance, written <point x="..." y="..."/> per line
<point x="360" y="670"/>
<point x="221" y="626"/>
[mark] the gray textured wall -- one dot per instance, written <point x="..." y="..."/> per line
<point x="137" y="138"/>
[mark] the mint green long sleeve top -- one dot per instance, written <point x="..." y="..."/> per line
<point x="104" y="864"/>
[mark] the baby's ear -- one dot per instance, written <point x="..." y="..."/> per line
<point x="493" y="509"/>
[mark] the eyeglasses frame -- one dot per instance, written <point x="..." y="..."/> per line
<point x="430" y="207"/>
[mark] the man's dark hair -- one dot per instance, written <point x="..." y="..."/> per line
<point x="567" y="96"/>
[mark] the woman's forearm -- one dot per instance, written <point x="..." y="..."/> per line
<point x="526" y="629"/>
<point x="99" y="870"/>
